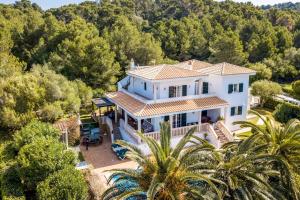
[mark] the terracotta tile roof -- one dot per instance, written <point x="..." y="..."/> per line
<point x="162" y="72"/>
<point x="190" y="68"/>
<point x="194" y="64"/>
<point x="127" y="102"/>
<point x="66" y="124"/>
<point x="140" y="109"/>
<point x="226" y="69"/>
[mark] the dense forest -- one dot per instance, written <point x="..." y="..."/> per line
<point x="288" y="5"/>
<point x="49" y="59"/>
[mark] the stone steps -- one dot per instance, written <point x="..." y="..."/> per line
<point x="116" y="131"/>
<point x="223" y="139"/>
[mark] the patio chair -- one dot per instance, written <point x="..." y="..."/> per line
<point x="116" y="147"/>
<point x="121" y="154"/>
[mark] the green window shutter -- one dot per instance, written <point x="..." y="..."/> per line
<point x="241" y="87"/>
<point x="230" y="88"/>
<point x="205" y="88"/>
<point x="184" y="90"/>
<point x="183" y="119"/>
<point x="240" y="110"/>
<point x="232" y="111"/>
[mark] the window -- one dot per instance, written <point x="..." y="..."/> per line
<point x="240" y="109"/>
<point x="205" y="88"/>
<point x="179" y="120"/>
<point x="236" y="110"/>
<point x="166" y="118"/>
<point x="177" y="91"/>
<point x="172" y="91"/>
<point x="234" y="88"/>
<point x="184" y="90"/>
<point x="241" y="87"/>
<point x="145" y="86"/>
<point x="196" y="87"/>
<point x="204" y="113"/>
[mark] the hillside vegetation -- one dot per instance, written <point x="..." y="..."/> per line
<point x="96" y="41"/>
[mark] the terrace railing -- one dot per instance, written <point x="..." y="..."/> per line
<point x="181" y="131"/>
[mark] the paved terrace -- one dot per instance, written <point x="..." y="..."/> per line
<point x="100" y="156"/>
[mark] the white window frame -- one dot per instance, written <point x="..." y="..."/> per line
<point x="178" y="91"/>
<point x="236" y="111"/>
<point x="177" y="120"/>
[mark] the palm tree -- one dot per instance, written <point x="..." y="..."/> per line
<point x="245" y="170"/>
<point x="282" y="141"/>
<point x="167" y="173"/>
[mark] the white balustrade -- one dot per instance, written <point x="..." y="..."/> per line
<point x="181" y="131"/>
<point x="154" y="135"/>
<point x="221" y="126"/>
<point x="212" y="136"/>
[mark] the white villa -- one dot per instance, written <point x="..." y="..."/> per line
<point x="189" y="94"/>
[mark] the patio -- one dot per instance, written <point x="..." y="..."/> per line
<point x="101" y="155"/>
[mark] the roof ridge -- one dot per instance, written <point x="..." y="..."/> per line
<point x="142" y="109"/>
<point x="223" y="68"/>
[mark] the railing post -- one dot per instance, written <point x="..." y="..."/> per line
<point x="139" y="125"/>
<point x="116" y="114"/>
<point x="171" y="124"/>
<point x="126" y="120"/>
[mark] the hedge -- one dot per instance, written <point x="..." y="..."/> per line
<point x="272" y="103"/>
<point x="286" y="111"/>
<point x="11" y="187"/>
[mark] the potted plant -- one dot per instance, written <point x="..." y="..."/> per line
<point x="205" y="136"/>
<point x="221" y="118"/>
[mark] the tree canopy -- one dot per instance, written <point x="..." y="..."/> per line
<point x="39" y="93"/>
<point x="95" y="42"/>
<point x="265" y="90"/>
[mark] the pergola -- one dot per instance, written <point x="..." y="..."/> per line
<point x="100" y="103"/>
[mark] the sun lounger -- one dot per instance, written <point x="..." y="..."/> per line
<point x="118" y="149"/>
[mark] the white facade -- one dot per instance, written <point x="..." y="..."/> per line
<point x="231" y="88"/>
<point x="158" y="91"/>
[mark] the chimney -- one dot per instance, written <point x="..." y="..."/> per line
<point x="132" y="64"/>
<point x="190" y="64"/>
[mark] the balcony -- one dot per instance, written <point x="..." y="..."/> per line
<point x="212" y="137"/>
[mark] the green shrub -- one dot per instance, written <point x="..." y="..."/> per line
<point x="288" y="89"/>
<point x="35" y="129"/>
<point x="271" y="103"/>
<point x="65" y="184"/>
<point x="51" y="112"/>
<point x="286" y="111"/>
<point x="265" y="90"/>
<point x="74" y="136"/>
<point x="296" y="87"/>
<point x="41" y="158"/>
<point x="11" y="186"/>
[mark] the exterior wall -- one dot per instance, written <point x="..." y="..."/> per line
<point x="220" y="86"/>
<point x="138" y="87"/>
<point x="163" y="87"/>
<point x="192" y="117"/>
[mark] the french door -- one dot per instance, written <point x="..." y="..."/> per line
<point x="179" y="120"/>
